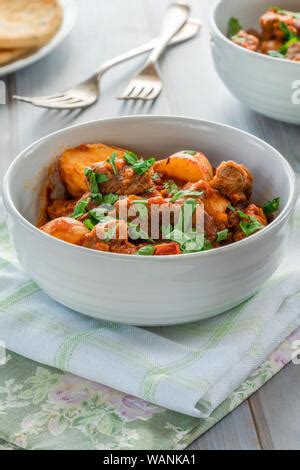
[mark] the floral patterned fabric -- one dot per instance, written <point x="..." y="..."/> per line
<point x="44" y="408"/>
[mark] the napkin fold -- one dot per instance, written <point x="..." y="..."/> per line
<point x="189" y="368"/>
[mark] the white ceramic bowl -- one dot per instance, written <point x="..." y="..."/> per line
<point x="150" y="290"/>
<point x="267" y="85"/>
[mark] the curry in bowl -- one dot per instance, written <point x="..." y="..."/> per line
<point x="279" y="36"/>
<point x="115" y="201"/>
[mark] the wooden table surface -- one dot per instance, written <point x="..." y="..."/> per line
<point x="271" y="418"/>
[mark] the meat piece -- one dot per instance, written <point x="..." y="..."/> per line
<point x="210" y="228"/>
<point x="111" y="236"/>
<point x="126" y="181"/>
<point x="270" y="45"/>
<point x="270" y="23"/>
<point x="61" y="208"/>
<point x="233" y="181"/>
<point x="253" y="211"/>
<point x="257" y="212"/>
<point x="73" y="161"/>
<point x="246" y="40"/>
<point x="66" y="229"/>
<point x="293" y="52"/>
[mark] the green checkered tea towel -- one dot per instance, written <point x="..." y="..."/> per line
<point x="191" y="369"/>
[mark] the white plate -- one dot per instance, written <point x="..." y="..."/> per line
<point x="70" y="14"/>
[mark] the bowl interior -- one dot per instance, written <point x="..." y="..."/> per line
<point x="158" y="136"/>
<point x="247" y="11"/>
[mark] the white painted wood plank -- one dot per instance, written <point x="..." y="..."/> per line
<point x="192" y="88"/>
<point x="276" y="409"/>
<point x="235" y="432"/>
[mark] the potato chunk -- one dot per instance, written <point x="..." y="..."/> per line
<point x="73" y="161"/>
<point x="66" y="229"/>
<point x="186" y="166"/>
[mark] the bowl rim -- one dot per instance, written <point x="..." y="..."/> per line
<point x="286" y="212"/>
<point x="216" y="30"/>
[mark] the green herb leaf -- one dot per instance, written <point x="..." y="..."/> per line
<point x="277" y="54"/>
<point x="231" y="207"/>
<point x="234" y="27"/>
<point x="110" y="234"/>
<point x="131" y="158"/>
<point x="110" y="199"/>
<point x="223" y="235"/>
<point x="288" y="33"/>
<point x="80" y="208"/>
<point x="271" y="206"/>
<point x="96" y="198"/>
<point x="101" y="178"/>
<point x="171" y="187"/>
<point x="89" y="224"/>
<point x="136" y="233"/>
<point x="140" y="201"/>
<point x="155" y="177"/>
<point x="94" y="179"/>
<point x="147" y="250"/>
<point x="140" y="166"/>
<point x="251" y="226"/>
<point x="100" y="214"/>
<point x="143" y="166"/>
<point x="186" y="193"/>
<point x="284" y="49"/>
<point x="243" y="215"/>
<point x="112" y="161"/>
<point x="207" y="245"/>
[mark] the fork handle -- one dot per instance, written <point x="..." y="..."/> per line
<point x="176" y="16"/>
<point x="188" y="31"/>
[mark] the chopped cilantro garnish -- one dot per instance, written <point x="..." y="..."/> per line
<point x="234" y="27"/>
<point x="110" y="199"/>
<point x="231" y="207"/>
<point x="285" y="47"/>
<point x="80" y="208"/>
<point x="94" y="179"/>
<point x="271" y="206"/>
<point x="222" y="236"/>
<point x="100" y="214"/>
<point x="112" y="161"/>
<point x="186" y="193"/>
<point x="288" y="33"/>
<point x="140" y="201"/>
<point x="110" y="234"/>
<point x="190" y="152"/>
<point x="155" y="176"/>
<point x="251" y="226"/>
<point x="171" y="187"/>
<point x="207" y="245"/>
<point x="147" y="250"/>
<point x="89" y="224"/>
<point x="142" y="166"/>
<point x="135" y="232"/>
<point x="131" y="158"/>
<point x="276" y="54"/>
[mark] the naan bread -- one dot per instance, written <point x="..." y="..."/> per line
<point x="28" y="23"/>
<point x="9" y="55"/>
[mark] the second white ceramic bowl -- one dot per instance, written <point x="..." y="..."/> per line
<point x="267" y="85"/>
<point x="150" y="290"/>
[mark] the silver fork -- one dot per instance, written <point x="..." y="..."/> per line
<point x="87" y="92"/>
<point x="147" y="84"/>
